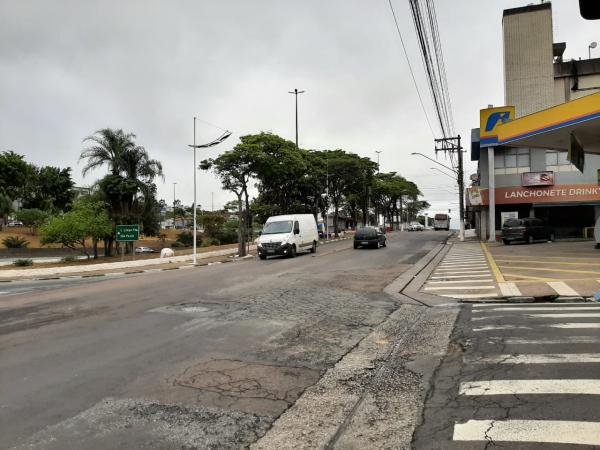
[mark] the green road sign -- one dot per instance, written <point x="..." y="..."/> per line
<point x="128" y="233"/>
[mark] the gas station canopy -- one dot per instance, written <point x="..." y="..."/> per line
<point x="552" y="128"/>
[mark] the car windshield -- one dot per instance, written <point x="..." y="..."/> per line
<point x="284" y="226"/>
<point x="511" y="223"/>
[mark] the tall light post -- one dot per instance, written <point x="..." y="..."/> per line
<point x="174" y="183"/>
<point x="194" y="146"/>
<point x="378" y="152"/>
<point x="590" y="47"/>
<point x="296" y="92"/>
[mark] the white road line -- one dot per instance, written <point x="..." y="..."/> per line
<point x="3" y="292"/>
<point x="566" y="316"/>
<point x="501" y="305"/>
<point x="525" y="387"/>
<point x="509" y="289"/>
<point x="501" y="327"/>
<point x="581" y="326"/>
<point x="459" y="276"/>
<point x="442" y="272"/>
<point x="462" y="260"/>
<point x="550" y="341"/>
<point x="575" y="325"/>
<point x="528" y="309"/>
<point x="562" y="288"/>
<point x="485" y="280"/>
<point x="467" y="296"/>
<point x="462" y="264"/>
<point x="547" y="431"/>
<point x="457" y="287"/>
<point x="546" y="358"/>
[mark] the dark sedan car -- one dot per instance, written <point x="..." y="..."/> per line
<point x="369" y="237"/>
<point x="528" y="230"/>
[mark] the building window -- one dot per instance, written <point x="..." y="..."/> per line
<point x="557" y="162"/>
<point x="511" y="160"/>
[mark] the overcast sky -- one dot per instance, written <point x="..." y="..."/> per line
<point x="68" y="68"/>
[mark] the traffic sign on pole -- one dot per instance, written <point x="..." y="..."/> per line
<point x="128" y="233"/>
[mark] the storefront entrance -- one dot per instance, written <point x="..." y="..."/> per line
<point x="567" y="221"/>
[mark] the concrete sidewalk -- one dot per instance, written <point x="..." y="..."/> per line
<point x="129" y="266"/>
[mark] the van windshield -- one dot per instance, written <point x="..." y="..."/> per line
<point x="285" y="226"/>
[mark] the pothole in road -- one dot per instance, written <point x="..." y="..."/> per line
<point x="247" y="380"/>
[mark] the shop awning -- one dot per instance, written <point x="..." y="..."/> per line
<point x="552" y="128"/>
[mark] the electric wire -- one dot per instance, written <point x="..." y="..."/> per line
<point x="410" y="67"/>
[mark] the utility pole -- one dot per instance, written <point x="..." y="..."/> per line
<point x="296" y="92"/>
<point x="452" y="145"/>
<point x="378" y="152"/>
<point x="174" y="204"/>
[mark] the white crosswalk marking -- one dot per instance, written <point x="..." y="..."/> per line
<point x="524" y="387"/>
<point x="509" y="289"/>
<point x="536" y="308"/>
<point x="534" y="430"/>
<point x="463" y="274"/>
<point x="546" y="431"/>
<point x="562" y="288"/>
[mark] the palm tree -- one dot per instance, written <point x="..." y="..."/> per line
<point x="129" y="187"/>
<point x="108" y="147"/>
<point x="5" y="208"/>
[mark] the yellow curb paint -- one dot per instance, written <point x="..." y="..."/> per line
<point x="493" y="265"/>
<point x="539" y="279"/>
<point x="543" y="269"/>
<point x="547" y="262"/>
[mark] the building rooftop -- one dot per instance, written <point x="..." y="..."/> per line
<point x="528" y="8"/>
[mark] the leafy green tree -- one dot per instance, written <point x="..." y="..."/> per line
<point x="87" y="220"/>
<point x="32" y="218"/>
<point x="347" y="173"/>
<point x="5" y="209"/>
<point x="14" y="174"/>
<point x="49" y="189"/>
<point x="235" y="169"/>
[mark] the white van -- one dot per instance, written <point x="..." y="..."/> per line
<point x="287" y="235"/>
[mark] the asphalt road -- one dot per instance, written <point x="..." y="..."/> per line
<point x="202" y="358"/>
<point x="520" y="377"/>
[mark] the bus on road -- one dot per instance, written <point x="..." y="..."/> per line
<point x="441" y="222"/>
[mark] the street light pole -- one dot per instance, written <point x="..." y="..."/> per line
<point x="378" y="152"/>
<point x="296" y="92"/>
<point x="195" y="169"/>
<point x="590" y="47"/>
<point x="194" y="146"/>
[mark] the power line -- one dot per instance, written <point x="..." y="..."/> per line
<point x="410" y="68"/>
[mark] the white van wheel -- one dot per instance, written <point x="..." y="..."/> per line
<point x="313" y="249"/>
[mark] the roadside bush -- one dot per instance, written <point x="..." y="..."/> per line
<point x="15" y="242"/>
<point x="69" y="258"/>
<point x="210" y="242"/>
<point x="187" y="238"/>
<point x="177" y="244"/>
<point x="23" y="262"/>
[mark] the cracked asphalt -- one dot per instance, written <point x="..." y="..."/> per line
<point x="204" y="358"/>
<point x="513" y="375"/>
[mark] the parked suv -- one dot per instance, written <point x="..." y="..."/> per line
<point x="369" y="237"/>
<point x="528" y="230"/>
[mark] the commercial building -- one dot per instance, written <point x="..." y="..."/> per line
<point x="524" y="168"/>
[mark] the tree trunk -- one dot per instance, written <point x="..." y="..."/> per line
<point x="95" y="244"/>
<point x="241" y="232"/>
<point x="335" y="220"/>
